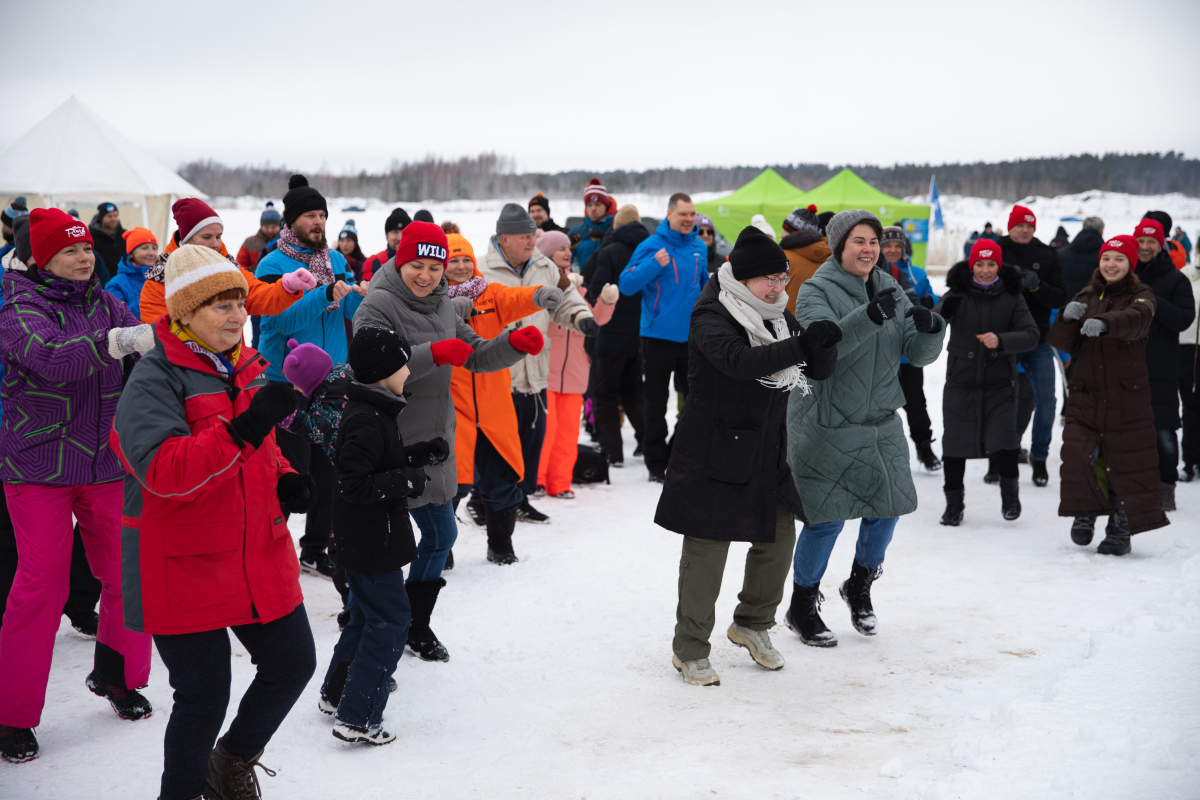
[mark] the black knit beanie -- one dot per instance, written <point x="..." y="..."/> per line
<point x="398" y="220"/>
<point x="300" y="199"/>
<point x="377" y="353"/>
<point x="422" y="216"/>
<point x="540" y="200"/>
<point x="755" y="254"/>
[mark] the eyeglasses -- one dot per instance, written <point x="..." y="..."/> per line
<point x="706" y="231"/>
<point x="778" y="281"/>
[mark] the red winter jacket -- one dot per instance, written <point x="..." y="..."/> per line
<point x="204" y="544"/>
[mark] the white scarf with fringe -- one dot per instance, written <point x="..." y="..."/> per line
<point x="753" y="315"/>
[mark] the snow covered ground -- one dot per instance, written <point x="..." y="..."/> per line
<point x="1009" y="663"/>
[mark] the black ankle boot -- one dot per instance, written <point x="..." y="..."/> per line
<point x="1010" y="498"/>
<point x="954" y="507"/>
<point x="856" y="591"/>
<point x="421" y="638"/>
<point x="1116" y="535"/>
<point x="803" y="616"/>
<point x="500" y="527"/>
<point x="1082" y="530"/>
<point x="1040" y="476"/>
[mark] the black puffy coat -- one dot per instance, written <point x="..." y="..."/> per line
<point x="729" y="464"/>
<point x="1174" y="310"/>
<point x="110" y="247"/>
<point x="979" y="400"/>
<point x="370" y="511"/>
<point x="621" y="337"/>
<point x="1051" y="293"/>
<point x="1080" y="259"/>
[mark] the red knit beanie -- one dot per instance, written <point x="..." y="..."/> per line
<point x="1147" y="227"/>
<point x="191" y="214"/>
<point x="421" y="240"/>
<point x="983" y="250"/>
<point x="1125" y="245"/>
<point x="50" y="230"/>
<point x="1021" y="215"/>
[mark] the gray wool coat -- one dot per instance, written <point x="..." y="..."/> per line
<point x="421" y="321"/>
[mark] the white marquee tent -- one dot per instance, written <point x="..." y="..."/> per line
<point x="74" y="158"/>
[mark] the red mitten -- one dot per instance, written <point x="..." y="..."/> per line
<point x="451" y="351"/>
<point x="527" y="340"/>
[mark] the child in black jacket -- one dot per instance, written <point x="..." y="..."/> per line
<point x="376" y="475"/>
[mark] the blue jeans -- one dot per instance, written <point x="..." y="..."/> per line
<point x="1039" y="366"/>
<point x="372" y="641"/>
<point x="815" y="543"/>
<point x="439" y="529"/>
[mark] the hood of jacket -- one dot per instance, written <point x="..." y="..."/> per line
<point x="800" y="239"/>
<point x="126" y="267"/>
<point x="632" y="234"/>
<point x="377" y="396"/>
<point x="960" y="279"/>
<point x="1086" y="242"/>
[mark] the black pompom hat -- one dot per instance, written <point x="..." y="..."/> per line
<point x="377" y="353"/>
<point x="300" y="199"/>
<point x="755" y="255"/>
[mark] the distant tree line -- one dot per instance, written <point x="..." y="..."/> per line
<point x="490" y="176"/>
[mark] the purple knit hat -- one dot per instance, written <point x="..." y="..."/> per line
<point x="306" y="366"/>
<point x="549" y="242"/>
<point x="704" y="221"/>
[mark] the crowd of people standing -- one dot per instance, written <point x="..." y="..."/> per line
<point x="386" y="390"/>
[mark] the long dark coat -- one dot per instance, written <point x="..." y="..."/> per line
<point x="1174" y="310"/>
<point x="729" y="463"/>
<point x="1108" y="408"/>
<point x="979" y="401"/>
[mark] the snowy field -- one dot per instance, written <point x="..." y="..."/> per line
<point x="1009" y="663"/>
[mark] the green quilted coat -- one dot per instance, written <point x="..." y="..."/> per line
<point x="846" y="445"/>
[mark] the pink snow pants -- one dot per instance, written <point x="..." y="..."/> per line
<point x="41" y="518"/>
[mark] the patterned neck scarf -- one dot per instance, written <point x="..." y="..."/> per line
<point x="472" y="288"/>
<point x="317" y="261"/>
<point x="222" y="362"/>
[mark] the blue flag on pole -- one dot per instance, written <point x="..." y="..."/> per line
<point x="935" y="204"/>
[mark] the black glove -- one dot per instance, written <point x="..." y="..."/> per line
<point x="588" y="327"/>
<point x="1031" y="280"/>
<point x="430" y="453"/>
<point x="822" y="333"/>
<point x="297" y="492"/>
<point x="882" y="306"/>
<point x="927" y="301"/>
<point x="596" y="232"/>
<point x="270" y="406"/>
<point x="950" y="304"/>
<point x="412" y="482"/>
<point x="575" y="238"/>
<point x="923" y="319"/>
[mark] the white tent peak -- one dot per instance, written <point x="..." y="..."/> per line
<point x="74" y="153"/>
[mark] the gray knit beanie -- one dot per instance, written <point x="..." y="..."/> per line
<point x="840" y="226"/>
<point x="514" y="219"/>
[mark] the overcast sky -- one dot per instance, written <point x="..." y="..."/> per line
<point x="353" y="85"/>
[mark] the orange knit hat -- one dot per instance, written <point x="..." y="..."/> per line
<point x="457" y="245"/>
<point x="136" y="237"/>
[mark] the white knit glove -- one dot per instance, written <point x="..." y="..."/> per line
<point x="127" y="341"/>
<point x="576" y="279"/>
<point x="1074" y="311"/>
<point x="610" y="294"/>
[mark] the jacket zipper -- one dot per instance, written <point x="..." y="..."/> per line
<point x="475" y="399"/>
<point x="387" y="538"/>
<point x="562" y="377"/>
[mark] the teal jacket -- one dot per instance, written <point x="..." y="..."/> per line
<point x="846" y="445"/>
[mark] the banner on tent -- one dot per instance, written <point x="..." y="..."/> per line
<point x="917" y="230"/>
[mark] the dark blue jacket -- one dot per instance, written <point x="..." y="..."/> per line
<point x="621" y="337"/>
<point x="668" y="293"/>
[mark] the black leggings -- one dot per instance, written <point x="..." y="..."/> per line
<point x="1005" y="462"/>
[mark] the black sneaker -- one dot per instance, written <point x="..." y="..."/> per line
<point x="658" y="477"/>
<point x="128" y="703"/>
<point x="317" y="564"/>
<point x="1188" y="474"/>
<point x="527" y="513"/>
<point x="616" y="463"/>
<point x="992" y="477"/>
<point x="503" y="559"/>
<point x="1040" y="476"/>
<point x="638" y="451"/>
<point x="87" y="625"/>
<point x="17" y="744"/>
<point x="476" y="510"/>
<point x="1022" y="456"/>
<point x="925" y="455"/>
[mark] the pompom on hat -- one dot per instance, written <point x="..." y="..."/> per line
<point x="300" y="199"/>
<point x="194" y="274"/>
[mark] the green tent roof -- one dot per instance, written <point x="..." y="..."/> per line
<point x="768" y="194"/>
<point x="846" y="190"/>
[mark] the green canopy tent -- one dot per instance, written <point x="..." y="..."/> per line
<point x="846" y="190"/>
<point x="768" y="194"/>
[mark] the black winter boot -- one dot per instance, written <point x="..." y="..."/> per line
<point x="1082" y="530"/>
<point x="1168" y="497"/>
<point x="954" y="507"/>
<point x="1188" y="474"/>
<point x="476" y="510"/>
<point x="804" y="617"/>
<point x="128" y="703"/>
<point x="449" y="565"/>
<point x="1116" y="535"/>
<point x="856" y="591"/>
<point x="1010" y="498"/>
<point x="992" y="476"/>
<point x="925" y="455"/>
<point x="500" y="526"/>
<point x="1040" y="476"/>
<point x="421" y="638"/>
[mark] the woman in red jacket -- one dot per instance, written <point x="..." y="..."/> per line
<point x="205" y="545"/>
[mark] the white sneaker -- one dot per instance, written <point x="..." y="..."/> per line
<point x="698" y="672"/>
<point x="354" y="733"/>
<point x="759" y="645"/>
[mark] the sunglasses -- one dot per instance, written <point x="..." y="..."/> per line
<point x="706" y="231"/>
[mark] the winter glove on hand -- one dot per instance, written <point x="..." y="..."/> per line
<point x="588" y="327"/>
<point x="297" y="492"/>
<point x="413" y="482"/>
<point x="596" y="233"/>
<point x="575" y="239"/>
<point x="127" y="341"/>
<point x="430" y="453"/>
<point x="271" y="405"/>
<point x="882" y="306"/>
<point x="1074" y="311"/>
<point x="451" y="351"/>
<point x="548" y="297"/>
<point x="923" y="319"/>
<point x="464" y="307"/>
<point x="610" y="294"/>
<point x="950" y="304"/>
<point x="299" y="281"/>
<point x="527" y="340"/>
<point x="575" y="278"/>
<point x="1094" y="327"/>
<point x="927" y="301"/>
<point x="822" y="333"/>
<point x="1031" y="280"/>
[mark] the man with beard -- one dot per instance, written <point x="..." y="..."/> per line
<point x="539" y="210"/>
<point x="318" y="319"/>
<point x="108" y="241"/>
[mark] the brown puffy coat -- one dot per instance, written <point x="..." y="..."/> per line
<point x="1108" y="408"/>
<point x="806" y="250"/>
